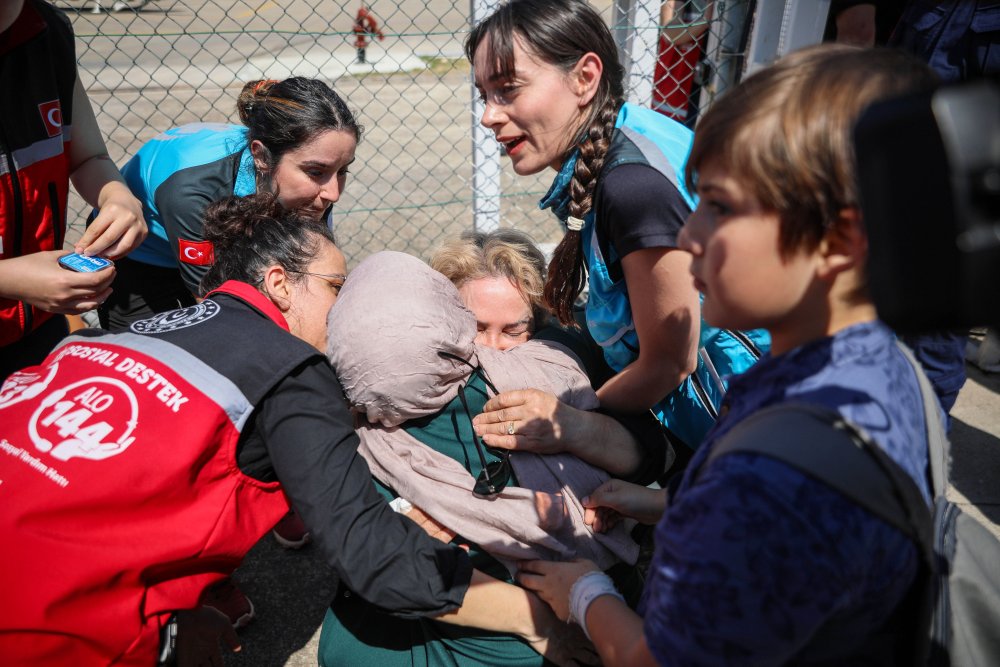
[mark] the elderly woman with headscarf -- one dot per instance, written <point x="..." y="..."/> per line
<point x="403" y="345"/>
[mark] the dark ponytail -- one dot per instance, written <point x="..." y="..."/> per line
<point x="560" y="32"/>
<point x="249" y="234"/>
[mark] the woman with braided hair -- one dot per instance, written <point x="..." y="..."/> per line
<point x="549" y="76"/>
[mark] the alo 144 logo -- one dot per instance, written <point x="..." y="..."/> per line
<point x="92" y="419"/>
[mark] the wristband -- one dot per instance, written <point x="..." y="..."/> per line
<point x="585" y="590"/>
<point x="401" y="505"/>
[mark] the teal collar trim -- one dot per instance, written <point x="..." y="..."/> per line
<point x="557" y="198"/>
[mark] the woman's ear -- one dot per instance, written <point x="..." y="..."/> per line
<point x="587" y="77"/>
<point x="845" y="244"/>
<point x="277" y="287"/>
<point x="260" y="156"/>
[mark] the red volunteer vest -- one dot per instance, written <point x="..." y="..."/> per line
<point x="121" y="499"/>
<point x="37" y="73"/>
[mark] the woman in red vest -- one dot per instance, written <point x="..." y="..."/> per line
<point x="139" y="468"/>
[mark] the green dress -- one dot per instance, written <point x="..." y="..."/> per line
<point x="357" y="633"/>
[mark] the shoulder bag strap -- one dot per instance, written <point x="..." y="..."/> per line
<point x="822" y="444"/>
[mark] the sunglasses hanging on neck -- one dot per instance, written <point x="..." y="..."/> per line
<point x="494" y="476"/>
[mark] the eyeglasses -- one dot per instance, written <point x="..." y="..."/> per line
<point x="494" y="477"/>
<point x="336" y="279"/>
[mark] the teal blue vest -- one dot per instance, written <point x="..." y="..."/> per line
<point x="643" y="136"/>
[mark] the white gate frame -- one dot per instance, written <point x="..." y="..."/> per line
<point x="485" y="149"/>
<point x="635" y="25"/>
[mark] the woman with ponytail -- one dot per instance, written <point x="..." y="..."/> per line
<point x="296" y="139"/>
<point x="551" y="82"/>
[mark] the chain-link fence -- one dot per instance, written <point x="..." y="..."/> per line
<point x="149" y="65"/>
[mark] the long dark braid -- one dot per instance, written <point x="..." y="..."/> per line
<point x="567" y="275"/>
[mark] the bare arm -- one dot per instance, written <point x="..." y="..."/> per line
<point x="680" y="33"/>
<point x="491" y="604"/>
<point x="666" y="314"/>
<point x="615" y="630"/>
<point x="119" y="227"/>
<point x="617" y="634"/>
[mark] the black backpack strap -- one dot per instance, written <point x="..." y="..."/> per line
<point x="822" y="444"/>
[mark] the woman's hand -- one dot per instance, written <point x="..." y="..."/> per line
<point x="543" y="424"/>
<point x="527" y="419"/>
<point x="552" y="581"/>
<point x="608" y="503"/>
<point x="562" y="643"/>
<point x="40" y="280"/>
<point x="615" y="629"/>
<point x="118" y="228"/>
<point x="198" y="634"/>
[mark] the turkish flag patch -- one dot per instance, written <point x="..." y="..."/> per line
<point x="199" y="253"/>
<point x="51" y="117"/>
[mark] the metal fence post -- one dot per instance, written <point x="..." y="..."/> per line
<point x="782" y="26"/>
<point x="726" y="44"/>
<point x="485" y="150"/>
<point x="635" y="25"/>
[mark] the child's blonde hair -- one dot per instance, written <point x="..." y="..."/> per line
<point x="786" y="132"/>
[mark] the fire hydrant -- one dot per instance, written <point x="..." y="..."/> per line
<point x="365" y="27"/>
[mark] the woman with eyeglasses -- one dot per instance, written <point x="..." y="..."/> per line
<point x="296" y="139"/>
<point x="404" y="346"/>
<point x="167" y="451"/>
